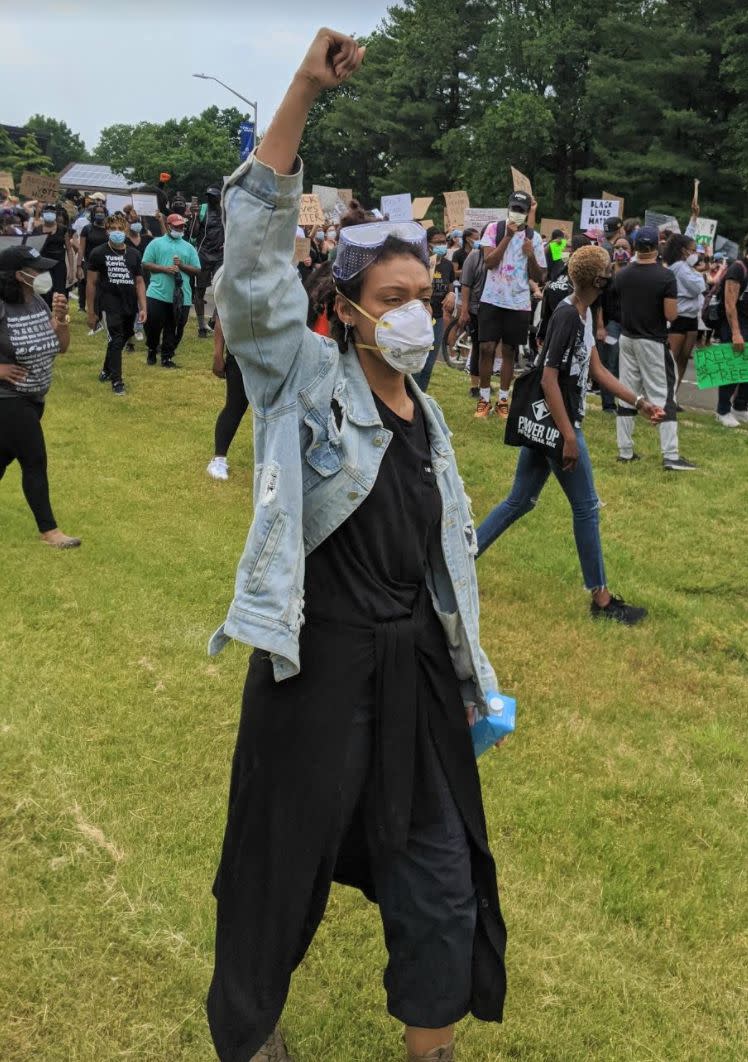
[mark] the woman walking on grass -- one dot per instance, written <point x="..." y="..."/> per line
<point x="354" y="760"/>
<point x="30" y="339"/>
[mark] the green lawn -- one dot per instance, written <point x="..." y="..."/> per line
<point x="617" y="813"/>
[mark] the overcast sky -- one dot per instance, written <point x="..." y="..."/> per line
<point x="92" y="63"/>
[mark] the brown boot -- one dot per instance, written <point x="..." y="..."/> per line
<point x="273" y="1050"/>
<point x="437" y="1054"/>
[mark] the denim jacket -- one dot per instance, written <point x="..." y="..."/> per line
<point x="318" y="441"/>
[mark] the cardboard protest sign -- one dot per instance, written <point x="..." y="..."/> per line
<point x="115" y="201"/>
<point x="310" y="211"/>
<point x="145" y="204"/>
<point x="706" y="230"/>
<point x="327" y="196"/>
<point x="719" y="365"/>
<point x="617" y="199"/>
<point x="421" y="205"/>
<point x="456" y="205"/>
<point x="548" y="225"/>
<point x="427" y="223"/>
<point x="661" y="221"/>
<point x="520" y="183"/>
<point x="302" y="250"/>
<point x="397" y="207"/>
<point x="42" y="186"/>
<point x="479" y="217"/>
<point x="6" y="180"/>
<point x="595" y="212"/>
<point x="345" y="195"/>
<point x="728" y="247"/>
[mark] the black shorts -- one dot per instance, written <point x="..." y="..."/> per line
<point x="495" y="324"/>
<point x="681" y="325"/>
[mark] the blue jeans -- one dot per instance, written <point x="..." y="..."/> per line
<point x="423" y="378"/>
<point x="533" y="470"/>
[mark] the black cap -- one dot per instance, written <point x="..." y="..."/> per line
<point x="213" y="190"/>
<point x="23" y="257"/>
<point x="612" y="225"/>
<point x="521" y="200"/>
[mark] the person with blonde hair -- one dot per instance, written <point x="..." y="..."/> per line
<point x="568" y="358"/>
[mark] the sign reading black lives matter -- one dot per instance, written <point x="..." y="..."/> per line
<point x="595" y="212"/>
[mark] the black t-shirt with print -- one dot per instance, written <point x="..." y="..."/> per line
<point x="642" y="290"/>
<point x="94" y="235"/>
<point x="442" y="278"/>
<point x="568" y="348"/>
<point x="117" y="271"/>
<point x="738" y="272"/>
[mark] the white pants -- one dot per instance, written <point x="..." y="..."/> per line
<point x="646" y="367"/>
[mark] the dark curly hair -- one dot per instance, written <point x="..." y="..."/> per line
<point x="675" y="247"/>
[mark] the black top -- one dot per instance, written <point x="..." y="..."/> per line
<point x="442" y="281"/>
<point x="145" y="239"/>
<point x="54" y="245"/>
<point x="568" y="348"/>
<point x="210" y="237"/>
<point x="554" y="293"/>
<point x="117" y="271"/>
<point x="458" y="258"/>
<point x="642" y="290"/>
<point x="738" y="272"/>
<point x="371" y="566"/>
<point x="95" y="236"/>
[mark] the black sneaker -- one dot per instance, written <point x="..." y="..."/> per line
<point x="168" y="363"/>
<point x="618" y="610"/>
<point x="151" y="359"/>
<point x="627" y="460"/>
<point x="118" y="388"/>
<point x="130" y="348"/>
<point x="104" y="376"/>
<point x="677" y="464"/>
<point x="475" y="392"/>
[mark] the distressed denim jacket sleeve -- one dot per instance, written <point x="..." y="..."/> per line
<point x="259" y="295"/>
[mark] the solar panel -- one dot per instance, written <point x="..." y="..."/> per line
<point x="86" y="174"/>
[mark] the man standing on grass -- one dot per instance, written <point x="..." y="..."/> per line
<point x="504" y="316"/>
<point x="171" y="261"/>
<point x="115" y="290"/>
<point x="649" y="299"/>
<point x="207" y="237"/>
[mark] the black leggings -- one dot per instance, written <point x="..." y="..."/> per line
<point x="22" y="440"/>
<point x="231" y="415"/>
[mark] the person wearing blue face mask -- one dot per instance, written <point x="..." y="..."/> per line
<point x="115" y="291"/>
<point x="171" y="261"/>
<point x="442" y="275"/>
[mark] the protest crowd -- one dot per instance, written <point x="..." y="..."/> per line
<point x="351" y="307"/>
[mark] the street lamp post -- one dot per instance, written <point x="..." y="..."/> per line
<point x="253" y="105"/>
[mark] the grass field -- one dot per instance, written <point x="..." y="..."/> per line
<point x="617" y="813"/>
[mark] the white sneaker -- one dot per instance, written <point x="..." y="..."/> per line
<point x="218" y="468"/>
<point x="741" y="415"/>
<point x="727" y="420"/>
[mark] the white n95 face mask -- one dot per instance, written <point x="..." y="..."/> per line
<point x="404" y="336"/>
<point x="41" y="282"/>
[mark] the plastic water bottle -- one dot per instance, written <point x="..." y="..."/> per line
<point x="500" y="721"/>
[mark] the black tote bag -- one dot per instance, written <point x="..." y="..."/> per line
<point x="530" y="422"/>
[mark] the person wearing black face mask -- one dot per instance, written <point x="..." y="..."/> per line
<point x="207" y="236"/>
<point x="92" y="236"/>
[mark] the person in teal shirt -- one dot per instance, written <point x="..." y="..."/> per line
<point x="170" y="261"/>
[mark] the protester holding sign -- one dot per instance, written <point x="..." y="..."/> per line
<point x="732" y="407"/>
<point x="649" y="300"/>
<point x="569" y="355"/>
<point x="30" y="339"/>
<point x="362" y="532"/>
<point x="516" y="255"/>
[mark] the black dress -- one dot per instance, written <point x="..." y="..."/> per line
<point x="371" y="638"/>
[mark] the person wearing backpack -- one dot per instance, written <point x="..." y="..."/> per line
<point x="206" y="235"/>
<point x="505" y="309"/>
<point x="732" y="403"/>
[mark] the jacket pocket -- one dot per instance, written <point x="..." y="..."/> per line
<point x="323" y="453"/>
<point x="268" y="549"/>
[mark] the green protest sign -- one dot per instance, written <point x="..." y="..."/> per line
<point x="719" y="365"/>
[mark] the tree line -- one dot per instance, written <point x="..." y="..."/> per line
<point x="637" y="97"/>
